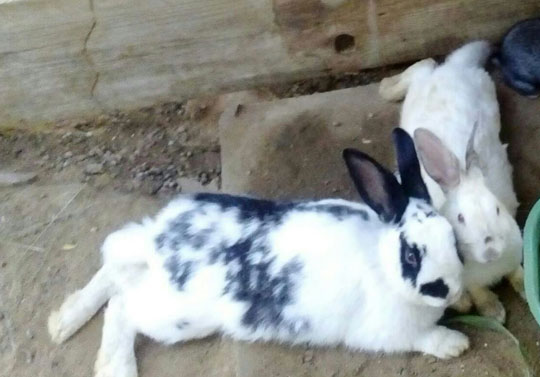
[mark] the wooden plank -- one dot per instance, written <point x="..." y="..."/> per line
<point x="60" y="58"/>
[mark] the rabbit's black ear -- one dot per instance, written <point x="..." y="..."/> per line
<point x="409" y="167"/>
<point x="376" y="185"/>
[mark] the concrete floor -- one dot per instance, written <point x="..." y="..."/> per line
<point x="289" y="148"/>
<point x="292" y="149"/>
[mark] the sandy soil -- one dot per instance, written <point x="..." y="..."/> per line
<point x="95" y="175"/>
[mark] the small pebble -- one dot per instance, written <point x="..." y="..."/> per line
<point x="30" y="355"/>
<point x="93" y="168"/>
<point x="308" y="356"/>
<point x="29" y="334"/>
<point x="9" y="178"/>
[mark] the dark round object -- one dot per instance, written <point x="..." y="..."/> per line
<point x="519" y="57"/>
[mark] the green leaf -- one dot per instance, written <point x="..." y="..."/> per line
<point x="487" y="323"/>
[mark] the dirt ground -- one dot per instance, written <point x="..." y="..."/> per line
<point x="95" y="175"/>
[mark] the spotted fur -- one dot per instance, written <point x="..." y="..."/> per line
<point x="323" y="272"/>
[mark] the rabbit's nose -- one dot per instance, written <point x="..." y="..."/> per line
<point x="491" y="254"/>
<point x="488" y="239"/>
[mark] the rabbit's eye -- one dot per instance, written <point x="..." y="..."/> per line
<point x="461" y="219"/>
<point x="498" y="210"/>
<point x="411" y="258"/>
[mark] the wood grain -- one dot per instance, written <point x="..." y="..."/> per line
<point x="62" y="58"/>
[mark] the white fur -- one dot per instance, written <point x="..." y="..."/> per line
<point x="350" y="290"/>
<point x="448" y="100"/>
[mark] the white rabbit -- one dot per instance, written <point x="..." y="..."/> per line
<point x="453" y="113"/>
<point x="374" y="277"/>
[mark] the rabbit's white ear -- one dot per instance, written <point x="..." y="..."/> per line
<point x="471" y="158"/>
<point x="439" y="162"/>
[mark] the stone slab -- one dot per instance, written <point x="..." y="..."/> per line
<point x="291" y="148"/>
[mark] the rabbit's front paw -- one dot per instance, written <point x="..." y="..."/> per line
<point x="516" y="281"/>
<point x="444" y="343"/>
<point x="464" y="304"/>
<point x="487" y="303"/>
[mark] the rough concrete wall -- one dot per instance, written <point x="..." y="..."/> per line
<point x="60" y="58"/>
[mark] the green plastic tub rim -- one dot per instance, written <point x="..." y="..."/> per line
<point x="531" y="249"/>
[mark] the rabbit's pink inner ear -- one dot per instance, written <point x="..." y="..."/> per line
<point x="374" y="185"/>
<point x="439" y="162"/>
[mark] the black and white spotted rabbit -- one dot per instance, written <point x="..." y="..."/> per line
<point x="374" y="276"/>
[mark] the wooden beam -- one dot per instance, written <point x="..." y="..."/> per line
<point x="62" y="58"/>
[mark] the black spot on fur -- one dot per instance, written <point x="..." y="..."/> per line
<point x="340" y="212"/>
<point x="266" y="294"/>
<point x="180" y="270"/>
<point x="409" y="271"/>
<point x="160" y="241"/>
<point x="182" y="325"/>
<point x="436" y="288"/>
<point x="265" y="291"/>
<point x="251" y="276"/>
<point x="177" y="233"/>
<point x="248" y="208"/>
<point x="299" y="326"/>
